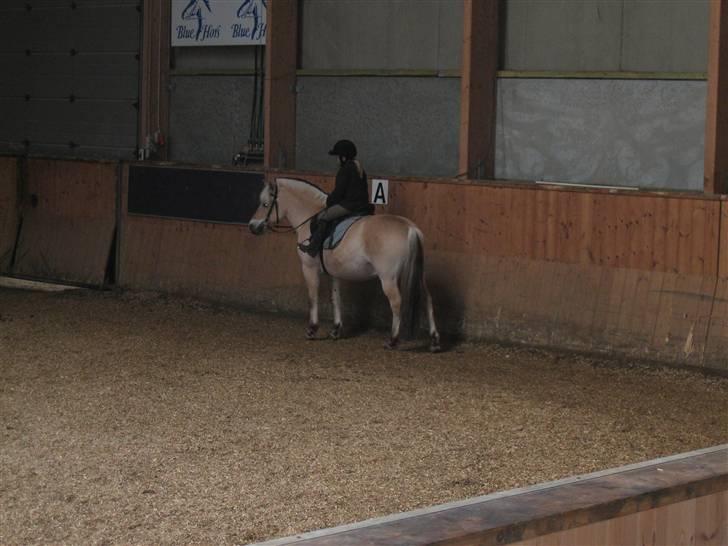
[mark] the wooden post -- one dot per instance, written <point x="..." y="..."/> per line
<point x="154" y="99"/>
<point x="281" y="56"/>
<point x="478" y="84"/>
<point x="716" y="118"/>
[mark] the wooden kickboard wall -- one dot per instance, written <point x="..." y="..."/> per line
<point x="630" y="273"/>
<point x="650" y="232"/>
<point x="664" y="502"/>
<point x="9" y="204"/>
<point x="621" y="272"/>
<point x="68" y="220"/>
<point x="209" y="260"/>
<point x="695" y="522"/>
<point x="723" y="236"/>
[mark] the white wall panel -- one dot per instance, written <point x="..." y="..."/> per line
<point x="615" y="132"/>
<point x="606" y="35"/>
<point x="381" y="34"/>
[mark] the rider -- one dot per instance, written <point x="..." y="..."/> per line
<point x="350" y="196"/>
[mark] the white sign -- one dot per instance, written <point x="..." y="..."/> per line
<point x="380" y="191"/>
<point x="219" y="22"/>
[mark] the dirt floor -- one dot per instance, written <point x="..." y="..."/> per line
<point x="136" y="418"/>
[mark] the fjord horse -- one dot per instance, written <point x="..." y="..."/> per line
<point x="385" y="246"/>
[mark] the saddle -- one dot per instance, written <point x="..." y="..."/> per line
<point x="336" y="229"/>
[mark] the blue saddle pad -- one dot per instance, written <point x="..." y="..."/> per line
<point x="340" y="230"/>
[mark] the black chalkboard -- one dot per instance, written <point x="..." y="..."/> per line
<point x="215" y="196"/>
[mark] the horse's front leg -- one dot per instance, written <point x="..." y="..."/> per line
<point x="311" y="275"/>
<point x="336" y="300"/>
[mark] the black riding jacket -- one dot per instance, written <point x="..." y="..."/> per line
<point x="351" y="190"/>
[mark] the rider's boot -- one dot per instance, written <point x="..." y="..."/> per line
<point x="313" y="245"/>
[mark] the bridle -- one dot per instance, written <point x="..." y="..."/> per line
<point x="274" y="205"/>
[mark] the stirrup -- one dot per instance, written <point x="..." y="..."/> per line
<point x="305" y="246"/>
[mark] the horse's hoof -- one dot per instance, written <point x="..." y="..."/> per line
<point x="336" y="332"/>
<point x="392" y="344"/>
<point x="311" y="331"/>
<point x="435" y="343"/>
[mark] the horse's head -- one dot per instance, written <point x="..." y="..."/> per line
<point x="289" y="200"/>
<point x="268" y="209"/>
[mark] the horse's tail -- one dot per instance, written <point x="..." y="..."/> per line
<point x="410" y="283"/>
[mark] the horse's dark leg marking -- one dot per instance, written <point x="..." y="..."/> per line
<point x="336" y="332"/>
<point x="435" y="343"/>
<point x="336" y="300"/>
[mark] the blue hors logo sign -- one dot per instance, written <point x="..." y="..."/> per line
<point x="219" y="22"/>
<point x="380" y="191"/>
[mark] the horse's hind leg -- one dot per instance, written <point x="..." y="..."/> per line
<point x="311" y="275"/>
<point x="391" y="290"/>
<point x="336" y="300"/>
<point x="434" y="334"/>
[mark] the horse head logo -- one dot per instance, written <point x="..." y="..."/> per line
<point x="254" y="10"/>
<point x="194" y="11"/>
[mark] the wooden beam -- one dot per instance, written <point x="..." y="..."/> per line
<point x="154" y="99"/>
<point x="716" y="118"/>
<point x="281" y="57"/>
<point x="478" y="88"/>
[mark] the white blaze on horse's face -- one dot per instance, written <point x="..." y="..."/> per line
<point x="259" y="221"/>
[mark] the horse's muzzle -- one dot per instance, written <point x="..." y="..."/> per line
<point x="256" y="227"/>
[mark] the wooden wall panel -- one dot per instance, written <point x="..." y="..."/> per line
<point x="9" y="201"/>
<point x="69" y="217"/>
<point x="700" y="521"/>
<point x="208" y="260"/>
<point x="584" y="270"/>
<point x="723" y="237"/>
<point x="652" y="233"/>
<point x="665" y="502"/>
<point x="660" y="316"/>
<point x="716" y="351"/>
<point x="211" y="261"/>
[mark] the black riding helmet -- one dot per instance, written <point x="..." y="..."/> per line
<point x="344" y="148"/>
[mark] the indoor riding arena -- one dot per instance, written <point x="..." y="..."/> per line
<point x="166" y="376"/>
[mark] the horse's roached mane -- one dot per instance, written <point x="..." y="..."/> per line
<point x="311" y="184"/>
